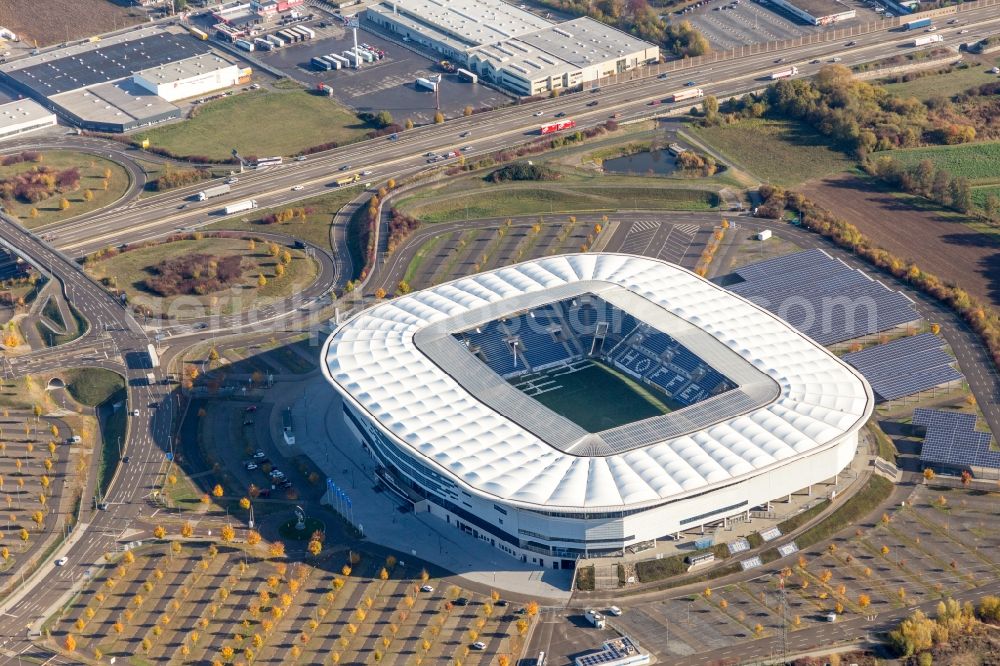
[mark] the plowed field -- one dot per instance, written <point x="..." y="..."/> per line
<point x="938" y="241"/>
<point x="55" y="21"/>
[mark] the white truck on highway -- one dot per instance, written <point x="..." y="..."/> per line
<point x="240" y="206"/>
<point x="923" y="40"/>
<point x="595" y="618"/>
<point x="785" y="73"/>
<point x="690" y="93"/>
<point x="210" y="192"/>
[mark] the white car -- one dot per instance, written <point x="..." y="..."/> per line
<point x="427" y="588"/>
<point x="232" y="181"/>
<point x="366" y="173"/>
<point x="300" y="158"/>
<point x="62" y="561"/>
<point x="135" y="412"/>
<point x="251" y="467"/>
<point x="539" y="114"/>
<point x="296" y="188"/>
<point x="479" y="645"/>
<point x="614" y="610"/>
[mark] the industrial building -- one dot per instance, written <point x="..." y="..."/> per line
<point x="23" y="116"/>
<point x="514" y="48"/>
<point x="190" y="77"/>
<point x="115" y="85"/>
<point x="454" y="391"/>
<point x="817" y="12"/>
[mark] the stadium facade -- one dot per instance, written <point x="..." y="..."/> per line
<point x="512" y="47"/>
<point x="459" y="394"/>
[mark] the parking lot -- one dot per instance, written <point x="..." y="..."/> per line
<point x="388" y="84"/>
<point x="943" y="541"/>
<point x="726" y="25"/>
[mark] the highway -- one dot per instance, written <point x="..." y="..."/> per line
<point x="158" y="214"/>
<point x="115" y="334"/>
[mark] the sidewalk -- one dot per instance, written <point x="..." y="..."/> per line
<point x="320" y="433"/>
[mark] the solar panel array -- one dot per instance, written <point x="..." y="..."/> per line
<point x="738" y="546"/>
<point x="952" y="440"/>
<point x="905" y="366"/>
<point x="788" y="549"/>
<point x="108" y="63"/>
<point x="823" y="297"/>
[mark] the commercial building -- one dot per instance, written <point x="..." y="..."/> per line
<point x="190" y="77"/>
<point x="818" y="12"/>
<point x="23" y="116"/>
<point x="622" y="651"/>
<point x="514" y="48"/>
<point x="123" y="82"/>
<point x="468" y="398"/>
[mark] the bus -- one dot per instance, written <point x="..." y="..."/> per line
<point x="264" y="162"/>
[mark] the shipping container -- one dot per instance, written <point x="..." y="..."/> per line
<point x="427" y="84"/>
<point x="466" y="75"/>
<point x="276" y="41"/>
<point x="690" y="93"/>
<point x="262" y="44"/>
<point x="321" y="64"/>
<point x="785" y="73"/>
<point x="917" y="23"/>
<point x="310" y="33"/>
<point x="926" y="39"/>
<point x="244" y="44"/>
<point x="210" y="192"/>
<point x="334" y="63"/>
<point x="352" y="59"/>
<point x="239" y="207"/>
<point x="339" y="58"/>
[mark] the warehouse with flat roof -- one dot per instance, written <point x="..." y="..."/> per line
<point x="818" y="12"/>
<point x="23" y="116"/>
<point x="190" y="77"/>
<point x="514" y="48"/>
<point x="123" y="82"/>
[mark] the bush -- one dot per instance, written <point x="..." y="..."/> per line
<point x="401" y="226"/>
<point x="171" y="178"/>
<point x="522" y="171"/>
<point x="194" y="274"/>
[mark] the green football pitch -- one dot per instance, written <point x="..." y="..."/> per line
<point x="596" y="397"/>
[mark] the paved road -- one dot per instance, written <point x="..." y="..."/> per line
<point x="114" y="332"/>
<point x="166" y="212"/>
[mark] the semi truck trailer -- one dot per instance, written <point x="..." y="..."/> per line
<point x="240" y="206"/>
<point x="210" y="192"/>
<point x="917" y="23"/>
<point x="926" y="39"/>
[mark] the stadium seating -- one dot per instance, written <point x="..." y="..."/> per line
<point x="562" y="333"/>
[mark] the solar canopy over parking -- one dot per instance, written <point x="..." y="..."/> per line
<point x="905" y="366"/>
<point x="953" y="442"/>
<point x="823" y="297"/>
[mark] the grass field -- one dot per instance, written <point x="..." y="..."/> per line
<point x="92" y="386"/>
<point x="538" y="198"/>
<point x="92" y="170"/>
<point x="936" y="85"/>
<point x="596" y="397"/>
<point x="782" y="152"/>
<point x="295" y="120"/>
<point x="979" y="162"/>
<point x="315" y="229"/>
<point x="130" y="269"/>
<point x="980" y="193"/>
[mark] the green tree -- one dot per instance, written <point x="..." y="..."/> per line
<point x="383" y="119"/>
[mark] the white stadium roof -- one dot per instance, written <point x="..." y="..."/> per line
<point x="374" y="359"/>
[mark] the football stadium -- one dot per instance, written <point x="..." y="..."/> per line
<point x="583" y="404"/>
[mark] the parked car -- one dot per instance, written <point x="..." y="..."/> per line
<point x="461" y="601"/>
<point x="479" y="645"/>
<point x="259" y="454"/>
<point x="427" y="588"/>
<point x="251" y="467"/>
<point x="614" y="610"/>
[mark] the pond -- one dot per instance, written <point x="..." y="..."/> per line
<point x="659" y="162"/>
